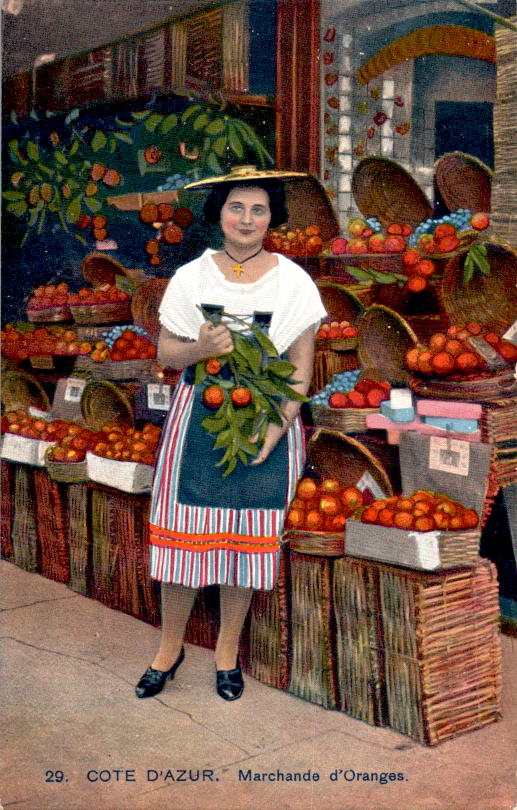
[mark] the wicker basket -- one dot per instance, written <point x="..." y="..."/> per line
<point x="79" y="539"/>
<point x="349" y="420"/>
<point x="52" y="527"/>
<point x="105" y="551"/>
<point x="384" y="340"/>
<point x="21" y="390"/>
<point x="6" y="514"/>
<point x="103" y="403"/>
<point x="145" y="305"/>
<point x="463" y="181"/>
<point x="112" y="312"/>
<point x="101" y="268"/>
<point x="486" y="387"/>
<point x="383" y="189"/>
<point x="24" y="533"/>
<point x="50" y="315"/>
<point x="115" y="370"/>
<point x="490" y="300"/>
<point x="325" y="544"/>
<point x="66" y="472"/>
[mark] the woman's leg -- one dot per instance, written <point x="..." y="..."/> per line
<point x="235" y="604"/>
<point x="177" y="602"/>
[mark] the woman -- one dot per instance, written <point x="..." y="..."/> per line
<point x="208" y="529"/>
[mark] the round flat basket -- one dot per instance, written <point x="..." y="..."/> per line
<point x="334" y="455"/>
<point x="22" y="390"/>
<point x="104" y="403"/>
<point x="100" y="268"/>
<point x="491" y="300"/>
<point x="489" y="387"/>
<point x="145" y="304"/>
<point x="464" y="182"/>
<point x="383" y="189"/>
<point x="340" y="303"/>
<point x="383" y="342"/>
<point x="113" y="312"/>
<point x="50" y="315"/>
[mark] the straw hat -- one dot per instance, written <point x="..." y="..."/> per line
<point x="245" y="173"/>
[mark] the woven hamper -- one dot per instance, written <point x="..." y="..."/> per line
<point x="24" y="531"/>
<point x="79" y="538"/>
<point x="105" y="551"/>
<point x="269" y="631"/>
<point x="360" y="667"/>
<point x="6" y="516"/>
<point x="51" y="512"/>
<point x="312" y="676"/>
<point x="439" y="636"/>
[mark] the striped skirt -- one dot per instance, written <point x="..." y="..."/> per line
<point x="198" y="544"/>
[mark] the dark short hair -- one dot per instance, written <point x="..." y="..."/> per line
<point x="274" y="188"/>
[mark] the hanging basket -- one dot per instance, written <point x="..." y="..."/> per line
<point x="100" y="268"/>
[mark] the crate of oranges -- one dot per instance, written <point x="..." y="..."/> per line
<point x="435" y="523"/>
<point x="340" y="477"/>
<point x="123" y="458"/>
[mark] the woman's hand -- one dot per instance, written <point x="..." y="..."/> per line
<point x="214" y="340"/>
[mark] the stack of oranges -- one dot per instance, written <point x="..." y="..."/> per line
<point x="451" y="353"/>
<point x="128" y="444"/>
<point x="422" y="511"/>
<point x="330" y="330"/>
<point x="322" y="507"/>
<point x="295" y="241"/>
<point x="104" y="294"/>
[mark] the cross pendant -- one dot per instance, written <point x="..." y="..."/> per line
<point x="238" y="269"/>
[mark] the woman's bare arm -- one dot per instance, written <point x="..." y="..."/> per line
<point x="176" y="352"/>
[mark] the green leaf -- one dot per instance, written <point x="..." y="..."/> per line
<point x="45" y="170"/>
<point x="216" y="126"/>
<point x="281" y="368"/>
<point x="41" y="221"/>
<point x="200" y="373"/>
<point x="60" y="157"/>
<point x="92" y="204"/>
<point x="122" y="136"/>
<point x="99" y="141"/>
<point x="235" y="142"/>
<point x="14" y="149"/>
<point x="251" y="353"/>
<point x="242" y="456"/>
<point x="214" y="164"/>
<point x="213" y="423"/>
<point x="201" y="121"/>
<point x="32" y="150"/>
<point x="13" y="195"/>
<point x="121" y="123"/>
<point x="230" y="468"/>
<point x="168" y="123"/>
<point x="73" y="209"/>
<point x="223" y="438"/>
<point x="249" y="447"/>
<point x="190" y="111"/>
<point x="18" y="208"/>
<point x="383" y="278"/>
<point x="219" y="145"/>
<point x="153" y="121"/>
<point x="141" y="114"/>
<point x="265" y="343"/>
<point x="358" y="273"/>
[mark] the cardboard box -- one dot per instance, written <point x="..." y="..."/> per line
<point x="128" y="476"/>
<point x="23" y="449"/>
<point x="457" y="469"/>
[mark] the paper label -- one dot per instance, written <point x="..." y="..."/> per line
<point x="39" y="414"/>
<point x="158" y="397"/>
<point x="368" y="482"/>
<point x="427" y="548"/>
<point x="511" y="334"/>
<point x="449" y="455"/>
<point x="74" y="389"/>
<point x="401" y="398"/>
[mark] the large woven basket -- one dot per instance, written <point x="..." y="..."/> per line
<point x="113" y="312"/>
<point x="384" y="340"/>
<point x="145" y="304"/>
<point x="22" y="390"/>
<point x="103" y="403"/>
<point x="115" y="369"/>
<point x="485" y="387"/>
<point x="383" y="189"/>
<point x="349" y="420"/>
<point x="66" y="472"/>
<point x="491" y="300"/>
<point x="464" y="181"/>
<point x="101" y="268"/>
<point x="50" y="315"/>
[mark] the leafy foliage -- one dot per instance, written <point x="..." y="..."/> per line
<point x="476" y="259"/>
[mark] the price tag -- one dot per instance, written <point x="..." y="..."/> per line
<point x="511" y="334"/>
<point x="368" y="482"/>
<point x="158" y="397"/>
<point x="39" y="414"/>
<point x="449" y="455"/>
<point x="74" y="389"/>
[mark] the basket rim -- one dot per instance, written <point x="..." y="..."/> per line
<point x="359" y="446"/>
<point x="30" y="379"/>
<point x="404" y="177"/>
<point x="115" y="389"/>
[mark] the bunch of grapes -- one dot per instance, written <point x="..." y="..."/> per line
<point x="374" y="224"/>
<point x="343" y="381"/>
<point x="174" y="182"/>
<point x="460" y="219"/>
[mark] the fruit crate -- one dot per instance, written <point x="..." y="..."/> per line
<point x="49" y="315"/>
<point x="112" y="312"/>
<point x="465" y="479"/>
<point x="128" y="476"/>
<point x="116" y="370"/>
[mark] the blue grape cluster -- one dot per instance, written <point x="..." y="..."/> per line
<point x="116" y="331"/>
<point x="343" y="381"/>
<point x="374" y="224"/>
<point x="174" y="182"/>
<point x="460" y="219"/>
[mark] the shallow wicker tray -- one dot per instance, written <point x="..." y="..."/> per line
<point x="351" y="420"/>
<point x="50" y="315"/>
<point x="483" y="388"/>
<point x="101" y="268"/>
<point x="383" y="189"/>
<point x="464" y="181"/>
<point x="336" y="344"/>
<point x="66" y="472"/>
<point x="114" y="312"/>
<point x="115" y="370"/>
<point x="385" y="337"/>
<point x="21" y="390"/>
<point x="325" y="544"/>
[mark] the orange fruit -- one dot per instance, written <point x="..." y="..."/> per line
<point x="295" y="518"/>
<point x="329" y="505"/>
<point x="212" y="366"/>
<point x="338" y="523"/>
<point x="213" y="396"/>
<point x="442" y="520"/>
<point x="412" y="359"/>
<point x="416" y="284"/>
<point x="424" y="362"/>
<point x="165" y="212"/>
<point x="152" y="154"/>
<point x="425" y="268"/>
<point x="97" y="171"/>
<point x="445" y="229"/>
<point x="297" y="503"/>
<point x="422" y="507"/>
<point x="182" y="216"/>
<point x="442" y="363"/>
<point x="425" y="524"/>
<point x="385" y="517"/>
<point x="405" y="504"/>
<point x="172" y="234"/>
<point x="470" y="519"/>
<point x="111" y="178"/>
<point x="474" y="328"/>
<point x="467" y="361"/>
<point x="479" y="221"/>
<point x="240" y="396"/>
<point x="369" y="515"/>
<point x="454" y="347"/>
<point x="507" y="351"/>
<point x="330" y="486"/>
<point x="403" y="520"/>
<point x="313" y="520"/>
<point x="149" y="212"/>
<point x="152" y="247"/>
<point x="437" y="342"/>
<point x="352" y="498"/>
<point x="306" y="489"/>
<point x="410" y="257"/>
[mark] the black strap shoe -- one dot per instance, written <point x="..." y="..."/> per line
<point x="153" y="680"/>
<point x="229" y="683"/>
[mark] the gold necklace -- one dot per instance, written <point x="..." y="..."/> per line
<point x="238" y="268"/>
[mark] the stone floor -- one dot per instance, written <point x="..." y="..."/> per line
<point x="76" y="738"/>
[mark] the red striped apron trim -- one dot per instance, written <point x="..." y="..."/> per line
<point x="207" y="542"/>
